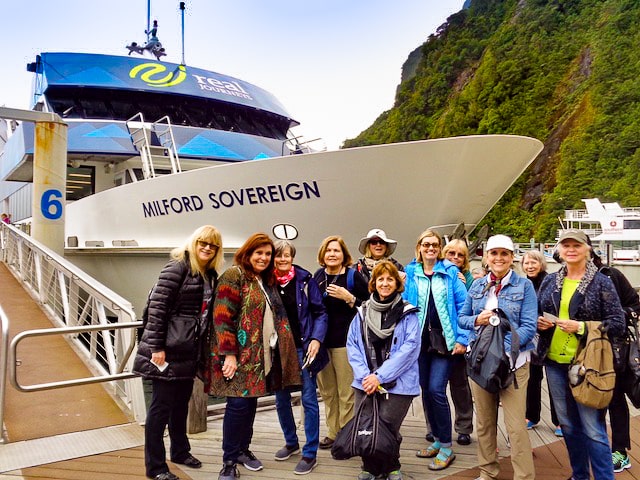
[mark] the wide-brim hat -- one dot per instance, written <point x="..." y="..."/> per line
<point x="377" y="233"/>
<point x="500" y="241"/>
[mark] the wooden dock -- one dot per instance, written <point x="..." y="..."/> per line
<point x="51" y="432"/>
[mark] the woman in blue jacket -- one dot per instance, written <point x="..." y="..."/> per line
<point x="384" y="357"/>
<point x="307" y="316"/>
<point x="516" y="297"/>
<point x="434" y="287"/>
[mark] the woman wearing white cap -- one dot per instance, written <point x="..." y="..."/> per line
<point x="516" y="297"/>
<point x="375" y="247"/>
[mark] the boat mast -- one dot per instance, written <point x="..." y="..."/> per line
<point x="148" y="30"/>
<point x="182" y="15"/>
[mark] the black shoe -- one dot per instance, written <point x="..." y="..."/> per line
<point x="464" y="439"/>
<point x="229" y="471"/>
<point x="326" y="443"/>
<point x="166" y="476"/>
<point x="430" y="438"/>
<point x="190" y="461"/>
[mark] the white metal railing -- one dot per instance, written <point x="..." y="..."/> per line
<point x="71" y="298"/>
<point x="163" y="130"/>
<point x="4" y="355"/>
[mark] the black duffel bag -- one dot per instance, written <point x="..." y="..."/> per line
<point x="366" y="434"/>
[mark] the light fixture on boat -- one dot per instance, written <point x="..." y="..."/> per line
<point x="285" y="231"/>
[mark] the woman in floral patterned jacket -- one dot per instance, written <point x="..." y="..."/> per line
<point x="253" y="350"/>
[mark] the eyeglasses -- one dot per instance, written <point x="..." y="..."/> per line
<point x="204" y="244"/>
<point x="455" y="254"/>
<point x="377" y="241"/>
<point x="430" y="245"/>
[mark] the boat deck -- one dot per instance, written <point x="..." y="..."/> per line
<point x="80" y="433"/>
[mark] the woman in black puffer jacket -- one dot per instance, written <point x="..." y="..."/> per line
<point x="171" y="347"/>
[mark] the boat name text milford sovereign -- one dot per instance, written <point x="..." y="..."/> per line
<point x="231" y="198"/>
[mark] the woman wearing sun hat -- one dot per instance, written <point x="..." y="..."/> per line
<point x="375" y="247"/>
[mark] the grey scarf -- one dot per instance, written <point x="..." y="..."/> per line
<point x="373" y="316"/>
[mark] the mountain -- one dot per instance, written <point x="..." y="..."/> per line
<point x="564" y="71"/>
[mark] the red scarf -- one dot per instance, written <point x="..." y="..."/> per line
<point x="285" y="278"/>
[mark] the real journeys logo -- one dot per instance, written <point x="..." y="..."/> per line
<point x="149" y="74"/>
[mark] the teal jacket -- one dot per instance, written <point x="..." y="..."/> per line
<point x="446" y="273"/>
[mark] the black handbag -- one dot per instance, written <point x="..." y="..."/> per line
<point x="632" y="373"/>
<point x="366" y="434"/>
<point x="437" y="343"/>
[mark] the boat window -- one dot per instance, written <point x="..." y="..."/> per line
<point x="95" y="103"/>
<point x="81" y="182"/>
<point x="632" y="224"/>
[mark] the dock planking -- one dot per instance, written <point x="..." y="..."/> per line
<point x="550" y="455"/>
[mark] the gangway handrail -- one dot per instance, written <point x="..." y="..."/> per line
<point x="120" y="375"/>
<point x="4" y="359"/>
<point x="71" y="298"/>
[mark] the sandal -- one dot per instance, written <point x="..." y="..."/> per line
<point x="442" y="461"/>
<point x="428" y="452"/>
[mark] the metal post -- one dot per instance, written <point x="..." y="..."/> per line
<point x="182" y="14"/>
<point x="4" y="365"/>
<point x="49" y="175"/>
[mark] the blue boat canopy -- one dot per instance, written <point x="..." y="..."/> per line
<point x="146" y="75"/>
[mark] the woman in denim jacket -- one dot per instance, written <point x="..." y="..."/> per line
<point x="515" y="295"/>
<point x="577" y="293"/>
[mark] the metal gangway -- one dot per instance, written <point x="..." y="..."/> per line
<point x="100" y="325"/>
<point x="155" y="143"/>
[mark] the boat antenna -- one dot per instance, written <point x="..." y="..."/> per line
<point x="182" y="15"/>
<point x="148" y="30"/>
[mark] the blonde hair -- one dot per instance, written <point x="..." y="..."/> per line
<point x="428" y="233"/>
<point x="206" y="233"/>
<point x="460" y="244"/>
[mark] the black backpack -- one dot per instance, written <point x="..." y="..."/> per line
<point x="487" y="363"/>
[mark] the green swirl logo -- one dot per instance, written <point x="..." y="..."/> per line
<point x="149" y="74"/>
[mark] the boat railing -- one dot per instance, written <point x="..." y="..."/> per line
<point x="163" y="130"/>
<point x="4" y="358"/>
<point x="140" y="136"/>
<point x="99" y="323"/>
<point x="576" y="215"/>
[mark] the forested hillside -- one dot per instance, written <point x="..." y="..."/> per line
<point x="564" y="71"/>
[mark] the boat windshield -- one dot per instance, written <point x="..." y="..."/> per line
<point x="111" y="104"/>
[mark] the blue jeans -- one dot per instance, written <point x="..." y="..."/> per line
<point x="434" y="376"/>
<point x="584" y="428"/>
<point x="311" y="413"/>
<point x="237" y="426"/>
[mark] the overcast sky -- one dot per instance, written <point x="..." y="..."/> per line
<point x="334" y="64"/>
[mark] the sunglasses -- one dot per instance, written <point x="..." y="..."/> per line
<point x="430" y="245"/>
<point x="455" y="254"/>
<point x="377" y="241"/>
<point x="204" y="244"/>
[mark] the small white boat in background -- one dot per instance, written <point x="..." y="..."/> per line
<point x="609" y="226"/>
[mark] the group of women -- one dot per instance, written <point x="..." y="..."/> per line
<point x="266" y="325"/>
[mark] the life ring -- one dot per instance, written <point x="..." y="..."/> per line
<point x="613" y="223"/>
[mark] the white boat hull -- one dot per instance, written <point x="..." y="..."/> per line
<point x="401" y="188"/>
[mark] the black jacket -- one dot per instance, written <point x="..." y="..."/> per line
<point x="175" y="306"/>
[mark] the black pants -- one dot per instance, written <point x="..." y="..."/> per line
<point x="169" y="406"/>
<point x="534" y="394"/>
<point x="461" y="395"/>
<point x="392" y="411"/>
<point x="619" y="418"/>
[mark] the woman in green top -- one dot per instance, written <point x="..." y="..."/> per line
<point x="573" y="295"/>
